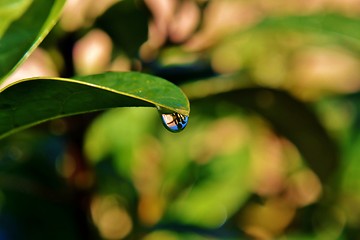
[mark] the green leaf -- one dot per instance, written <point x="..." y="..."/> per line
<point x="22" y="36"/>
<point x="35" y="100"/>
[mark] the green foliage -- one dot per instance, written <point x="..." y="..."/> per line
<point x="271" y="150"/>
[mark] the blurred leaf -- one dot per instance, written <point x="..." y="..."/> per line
<point x="334" y="24"/>
<point x="174" y="231"/>
<point x="292" y="119"/>
<point x="26" y="33"/>
<point x="10" y="10"/>
<point x="209" y="182"/>
<point x="183" y="170"/>
<point x="127" y="24"/>
<point x="104" y="138"/>
<point x="35" y="100"/>
<point x="222" y="180"/>
<point x="351" y="164"/>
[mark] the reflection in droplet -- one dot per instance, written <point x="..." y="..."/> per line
<point x="174" y="122"/>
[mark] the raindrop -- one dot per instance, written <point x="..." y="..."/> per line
<point x="174" y="122"/>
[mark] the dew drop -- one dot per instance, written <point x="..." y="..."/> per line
<point x="174" y="122"/>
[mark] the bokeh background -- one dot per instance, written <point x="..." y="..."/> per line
<point x="271" y="150"/>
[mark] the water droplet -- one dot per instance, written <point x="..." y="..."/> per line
<point x="174" y="122"/>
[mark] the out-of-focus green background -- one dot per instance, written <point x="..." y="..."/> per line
<point x="271" y="150"/>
